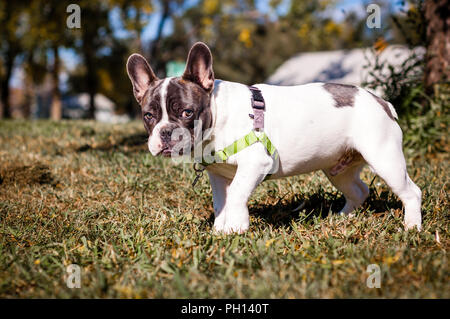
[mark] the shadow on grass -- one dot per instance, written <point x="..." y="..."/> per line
<point x="24" y="175"/>
<point x="129" y="144"/>
<point x="320" y="204"/>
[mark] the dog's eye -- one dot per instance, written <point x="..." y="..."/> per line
<point x="148" y="116"/>
<point x="187" y="113"/>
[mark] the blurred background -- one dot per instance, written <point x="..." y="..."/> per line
<point x="51" y="70"/>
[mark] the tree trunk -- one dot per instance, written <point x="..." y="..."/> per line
<point x="56" y="107"/>
<point x="91" y="81"/>
<point x="91" y="76"/>
<point x="158" y="65"/>
<point x="437" y="69"/>
<point x="4" y="99"/>
<point x="28" y="88"/>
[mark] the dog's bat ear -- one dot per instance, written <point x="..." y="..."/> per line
<point x="199" y="66"/>
<point x="140" y="74"/>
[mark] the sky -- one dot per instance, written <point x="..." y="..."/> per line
<point x="71" y="60"/>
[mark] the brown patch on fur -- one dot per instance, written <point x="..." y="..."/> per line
<point x="348" y="159"/>
<point x="199" y="68"/>
<point x="140" y="74"/>
<point x="343" y="94"/>
<point x="151" y="103"/>
<point x="384" y="104"/>
<point x="181" y="95"/>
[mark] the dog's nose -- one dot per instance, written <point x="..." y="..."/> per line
<point x="166" y="134"/>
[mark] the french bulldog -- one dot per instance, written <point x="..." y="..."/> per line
<point x="335" y="128"/>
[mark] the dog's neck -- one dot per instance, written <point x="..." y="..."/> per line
<point x="224" y="94"/>
<point x="230" y="105"/>
<point x="213" y="103"/>
<point x="219" y="103"/>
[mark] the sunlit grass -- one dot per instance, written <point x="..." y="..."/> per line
<point x="90" y="194"/>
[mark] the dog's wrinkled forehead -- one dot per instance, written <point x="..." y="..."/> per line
<point x="174" y="87"/>
<point x="171" y="96"/>
<point x="152" y="96"/>
<point x="183" y="94"/>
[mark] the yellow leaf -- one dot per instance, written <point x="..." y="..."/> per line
<point x="338" y="262"/>
<point x="206" y="21"/>
<point x="245" y="37"/>
<point x="174" y="253"/>
<point x="269" y="242"/>
<point x="303" y="31"/>
<point x="210" y="6"/>
<point x="380" y="45"/>
<point x="391" y="259"/>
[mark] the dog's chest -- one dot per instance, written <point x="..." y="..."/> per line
<point x="226" y="170"/>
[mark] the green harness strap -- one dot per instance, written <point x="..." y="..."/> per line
<point x="255" y="135"/>
<point x="237" y="146"/>
<point x="249" y="139"/>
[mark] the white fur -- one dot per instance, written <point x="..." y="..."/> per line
<point x="310" y="133"/>
<point x="154" y="141"/>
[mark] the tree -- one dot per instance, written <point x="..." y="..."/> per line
<point x="437" y="67"/>
<point x="95" y="35"/>
<point x="48" y="33"/>
<point x="10" y="47"/>
<point x="167" y="9"/>
<point x="134" y="15"/>
<point x="247" y="44"/>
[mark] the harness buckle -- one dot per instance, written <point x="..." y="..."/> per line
<point x="259" y="105"/>
<point x="198" y="173"/>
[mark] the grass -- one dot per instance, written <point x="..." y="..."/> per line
<point x="90" y="194"/>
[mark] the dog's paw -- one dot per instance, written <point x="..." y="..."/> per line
<point x="218" y="228"/>
<point x="231" y="227"/>
<point x="413" y="220"/>
<point x="232" y="221"/>
<point x="411" y="224"/>
<point x="238" y="227"/>
<point x="347" y="214"/>
<point x="219" y="223"/>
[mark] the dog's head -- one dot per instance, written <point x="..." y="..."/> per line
<point x="173" y="103"/>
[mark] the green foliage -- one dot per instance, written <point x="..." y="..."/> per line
<point x="247" y="44"/>
<point x="426" y="131"/>
<point x="401" y="84"/>
<point x="423" y="118"/>
<point x="410" y="25"/>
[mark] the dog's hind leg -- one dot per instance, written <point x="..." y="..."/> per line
<point x="353" y="188"/>
<point x="382" y="150"/>
<point x="389" y="163"/>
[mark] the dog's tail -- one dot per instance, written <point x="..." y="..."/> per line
<point x="388" y="107"/>
<point x="392" y="109"/>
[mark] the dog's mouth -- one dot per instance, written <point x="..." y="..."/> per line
<point x="166" y="152"/>
<point x="171" y="150"/>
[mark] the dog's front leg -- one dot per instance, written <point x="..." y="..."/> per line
<point x="248" y="175"/>
<point x="219" y="186"/>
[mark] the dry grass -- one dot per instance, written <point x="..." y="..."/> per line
<point x="91" y="194"/>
